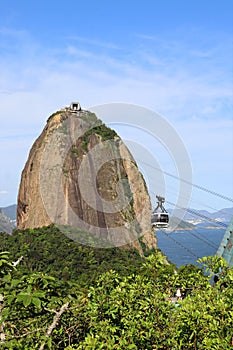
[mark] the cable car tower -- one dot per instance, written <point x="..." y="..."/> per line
<point x="160" y="217"/>
<point x="226" y="246"/>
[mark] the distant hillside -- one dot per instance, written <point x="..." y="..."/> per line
<point x="223" y="215"/>
<point x="10" y="211"/>
<point x="5" y="223"/>
<point x="177" y="223"/>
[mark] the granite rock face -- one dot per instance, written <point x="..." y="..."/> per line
<point x="80" y="176"/>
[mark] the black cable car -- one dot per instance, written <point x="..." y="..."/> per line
<point x="160" y="217"/>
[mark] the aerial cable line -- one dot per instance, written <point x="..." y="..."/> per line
<point x="170" y="190"/>
<point x="189" y="183"/>
<point x="202" y="239"/>
<point x="179" y="244"/>
<point x="206" y="239"/>
<point x="193" y="212"/>
<point x="182" y="246"/>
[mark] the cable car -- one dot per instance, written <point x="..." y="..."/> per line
<point x="160" y="217"/>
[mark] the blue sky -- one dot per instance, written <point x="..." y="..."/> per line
<point x="173" y="57"/>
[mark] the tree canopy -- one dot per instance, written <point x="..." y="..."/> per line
<point x="57" y="294"/>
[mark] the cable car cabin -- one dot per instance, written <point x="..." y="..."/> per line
<point x="160" y="220"/>
<point x="160" y="217"/>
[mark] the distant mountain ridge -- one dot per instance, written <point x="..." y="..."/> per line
<point x="223" y="215"/>
<point x="6" y="225"/>
<point x="10" y="211"/>
<point x="178" y="224"/>
<point x="8" y="217"/>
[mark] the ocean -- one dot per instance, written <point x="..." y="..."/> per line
<point x="184" y="247"/>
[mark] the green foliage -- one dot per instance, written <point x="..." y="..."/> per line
<point x="213" y="264"/>
<point x="75" y="152"/>
<point x="102" y="130"/>
<point x="127" y="305"/>
<point x="52" y="115"/>
<point x="50" y="251"/>
<point x="90" y="118"/>
<point x="5" y="265"/>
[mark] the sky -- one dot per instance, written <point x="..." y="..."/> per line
<point x="171" y="57"/>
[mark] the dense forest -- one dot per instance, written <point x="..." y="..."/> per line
<point x="58" y="294"/>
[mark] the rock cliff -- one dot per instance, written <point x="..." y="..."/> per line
<point x="81" y="177"/>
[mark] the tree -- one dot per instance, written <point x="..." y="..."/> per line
<point x="115" y="310"/>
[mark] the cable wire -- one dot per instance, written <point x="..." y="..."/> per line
<point x="189" y="183"/>
<point x="206" y="241"/>
<point x="202" y="239"/>
<point x="179" y="244"/>
<point x="195" y="213"/>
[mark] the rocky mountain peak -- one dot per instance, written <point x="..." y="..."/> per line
<point x="81" y="177"/>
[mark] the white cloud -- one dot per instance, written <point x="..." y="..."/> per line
<point x="88" y="41"/>
<point x="3" y="192"/>
<point x="201" y="54"/>
<point x="47" y="81"/>
<point x="36" y="81"/>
